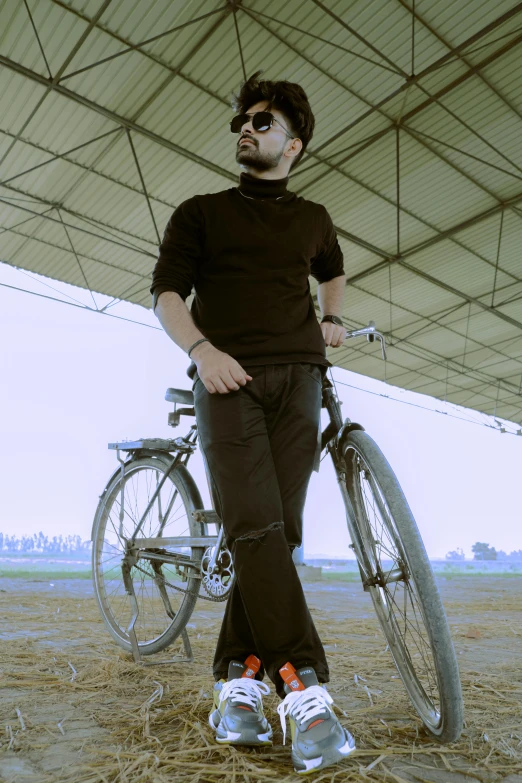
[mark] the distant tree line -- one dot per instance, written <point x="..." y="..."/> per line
<point x="483" y="551"/>
<point x="38" y="543"/>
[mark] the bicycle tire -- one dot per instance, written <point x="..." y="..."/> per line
<point x="154" y="629"/>
<point x="433" y="684"/>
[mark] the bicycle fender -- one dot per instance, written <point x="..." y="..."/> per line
<point x="345" y="430"/>
<point x="100" y="505"/>
<point x="102" y="500"/>
<point x="191" y="486"/>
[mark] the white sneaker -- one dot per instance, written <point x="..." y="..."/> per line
<point x="238" y="717"/>
<point x="318" y="739"/>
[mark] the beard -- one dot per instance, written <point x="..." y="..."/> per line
<point x="250" y="155"/>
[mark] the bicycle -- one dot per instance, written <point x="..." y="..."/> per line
<point x="152" y="553"/>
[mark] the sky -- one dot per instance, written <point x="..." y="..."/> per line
<point x="72" y="381"/>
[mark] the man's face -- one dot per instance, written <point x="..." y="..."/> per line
<point x="264" y="150"/>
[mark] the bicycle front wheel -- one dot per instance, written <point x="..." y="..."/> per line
<point x="166" y="593"/>
<point x="399" y="577"/>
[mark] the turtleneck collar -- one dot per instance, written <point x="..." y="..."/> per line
<point x="254" y="187"/>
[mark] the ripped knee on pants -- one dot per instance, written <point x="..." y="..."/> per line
<point x="258" y="535"/>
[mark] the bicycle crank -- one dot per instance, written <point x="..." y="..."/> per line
<point x="217" y="573"/>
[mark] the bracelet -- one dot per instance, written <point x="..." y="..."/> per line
<point x="204" y="339"/>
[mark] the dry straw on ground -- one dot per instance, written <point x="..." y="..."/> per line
<point x="75" y="709"/>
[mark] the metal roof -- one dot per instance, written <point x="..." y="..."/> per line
<point x="112" y="112"/>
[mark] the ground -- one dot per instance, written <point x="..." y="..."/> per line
<point x="75" y="708"/>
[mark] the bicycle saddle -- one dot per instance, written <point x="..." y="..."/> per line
<point x="185" y="396"/>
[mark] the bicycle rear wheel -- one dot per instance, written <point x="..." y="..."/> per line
<point x="163" y="610"/>
<point x="399" y="577"/>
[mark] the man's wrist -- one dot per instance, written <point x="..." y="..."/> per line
<point x="335" y="319"/>
<point x="198" y="350"/>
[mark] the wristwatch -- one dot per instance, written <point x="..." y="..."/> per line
<point x="333" y="318"/>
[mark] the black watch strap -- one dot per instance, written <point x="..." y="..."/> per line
<point x="333" y="318"/>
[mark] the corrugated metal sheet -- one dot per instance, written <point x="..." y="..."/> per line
<point x="447" y="290"/>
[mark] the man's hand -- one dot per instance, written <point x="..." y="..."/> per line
<point x="333" y="335"/>
<point x="218" y="371"/>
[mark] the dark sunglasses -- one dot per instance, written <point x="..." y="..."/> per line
<point x="261" y="121"/>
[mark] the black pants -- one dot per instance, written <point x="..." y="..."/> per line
<point x="260" y="444"/>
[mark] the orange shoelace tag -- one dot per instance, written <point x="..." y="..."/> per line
<point x="253" y="665"/>
<point x="289" y="676"/>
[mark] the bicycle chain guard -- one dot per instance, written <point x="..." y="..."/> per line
<point x="218" y="582"/>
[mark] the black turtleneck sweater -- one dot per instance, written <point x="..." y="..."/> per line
<point x="248" y="252"/>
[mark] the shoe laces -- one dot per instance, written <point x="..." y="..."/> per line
<point x="245" y="690"/>
<point x="304" y="705"/>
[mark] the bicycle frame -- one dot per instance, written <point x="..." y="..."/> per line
<point x="332" y="438"/>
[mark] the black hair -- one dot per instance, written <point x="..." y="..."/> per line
<point x="287" y="97"/>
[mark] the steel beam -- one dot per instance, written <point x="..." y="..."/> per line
<point x="55" y="155"/>
<point x="456" y="292"/>
<point x="429" y="243"/>
<point x="355" y="239"/>
<point x="82" y="230"/>
<point x="145" y="193"/>
<point x="336" y="167"/>
<point x="49" y="82"/>
<point x="388" y="259"/>
<point x="458" y="53"/>
<point x="415" y="135"/>
<point x="80" y="306"/>
<point x="140" y="277"/>
<point x="415" y="352"/>
<point x="108" y="228"/>
<point x="77" y="258"/>
<point x="478" y="218"/>
<point x="415" y="132"/>
<point x="419" y="76"/>
<point x="239" y="44"/>
<point x="415" y="79"/>
<point x="40" y="45"/>
<point x="118" y="119"/>
<point x="175" y="147"/>
<point x="129" y="46"/>
<point x="437" y="324"/>
<point x="351" y="52"/>
<point x="128" y="124"/>
<point x="411" y="113"/>
<point x="437" y="64"/>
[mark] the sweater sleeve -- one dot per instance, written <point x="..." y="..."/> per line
<point x="329" y="261"/>
<point x="180" y="252"/>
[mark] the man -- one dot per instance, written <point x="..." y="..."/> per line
<point x="258" y="360"/>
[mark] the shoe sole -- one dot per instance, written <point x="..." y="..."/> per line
<point x="247" y="737"/>
<point x="327" y="759"/>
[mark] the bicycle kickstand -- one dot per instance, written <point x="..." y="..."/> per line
<point x="129" y="587"/>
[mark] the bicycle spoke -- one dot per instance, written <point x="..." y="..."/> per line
<point x="166" y="518"/>
<point x="409" y="626"/>
<point x="126" y="513"/>
<point x="396" y="601"/>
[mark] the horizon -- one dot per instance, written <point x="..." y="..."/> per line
<point x="82" y="549"/>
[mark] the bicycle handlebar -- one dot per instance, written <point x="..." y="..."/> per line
<point x="371" y="333"/>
